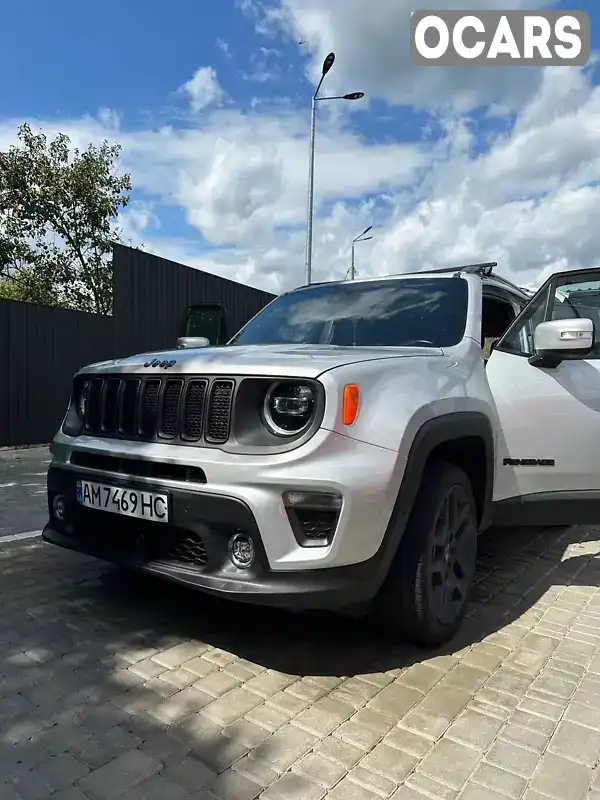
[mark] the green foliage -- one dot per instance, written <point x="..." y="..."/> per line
<point x="57" y="214"/>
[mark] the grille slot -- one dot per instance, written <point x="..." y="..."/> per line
<point x="93" y="412"/>
<point x="169" y="418"/>
<point x="110" y="405"/>
<point x="193" y="415"/>
<point x="128" y="406"/>
<point x="138" y="467"/>
<point x="149" y="408"/>
<point x="219" y="412"/>
<point x="168" y="409"/>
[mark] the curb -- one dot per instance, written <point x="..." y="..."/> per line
<point x="23" y="447"/>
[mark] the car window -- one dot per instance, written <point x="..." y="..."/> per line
<point x="497" y="314"/>
<point x="428" y="312"/>
<point x="567" y="298"/>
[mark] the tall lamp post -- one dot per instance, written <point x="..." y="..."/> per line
<point x="327" y="65"/>
<point x="360" y="238"/>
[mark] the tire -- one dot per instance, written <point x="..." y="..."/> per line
<point x="424" y="597"/>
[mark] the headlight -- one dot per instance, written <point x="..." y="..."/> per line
<point x="81" y="399"/>
<point x="288" y="408"/>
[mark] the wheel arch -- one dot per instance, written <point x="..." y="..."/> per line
<point x="464" y="438"/>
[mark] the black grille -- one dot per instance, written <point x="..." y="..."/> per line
<point x="169" y="420"/>
<point x="157" y="408"/>
<point x="219" y="412"/>
<point x="188" y="550"/>
<point x="194" y="410"/>
<point x="149" y="407"/>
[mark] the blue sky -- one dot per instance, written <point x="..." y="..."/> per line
<point x="220" y="179"/>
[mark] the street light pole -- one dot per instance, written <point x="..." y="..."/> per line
<point x="327" y="65"/>
<point x="360" y="238"/>
<point x="311" y="189"/>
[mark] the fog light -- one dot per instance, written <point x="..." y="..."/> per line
<point x="241" y="551"/>
<point x="59" y="507"/>
<point x="313" y="516"/>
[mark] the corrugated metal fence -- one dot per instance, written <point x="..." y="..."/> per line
<point x="151" y="295"/>
<point x="41" y="348"/>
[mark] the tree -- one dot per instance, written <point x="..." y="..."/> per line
<point x="58" y="211"/>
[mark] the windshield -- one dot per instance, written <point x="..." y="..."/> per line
<point x="388" y="313"/>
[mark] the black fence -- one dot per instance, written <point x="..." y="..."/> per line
<point x="41" y="348"/>
<point x="151" y="295"/>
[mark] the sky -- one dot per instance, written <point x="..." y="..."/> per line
<point x="211" y="102"/>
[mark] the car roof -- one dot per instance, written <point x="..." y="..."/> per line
<point x="483" y="270"/>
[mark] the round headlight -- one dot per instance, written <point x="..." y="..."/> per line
<point x="288" y="408"/>
<point x="82" y="398"/>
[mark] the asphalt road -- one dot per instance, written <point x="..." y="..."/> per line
<point x="23" y="490"/>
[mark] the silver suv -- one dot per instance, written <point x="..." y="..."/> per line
<point x="343" y="451"/>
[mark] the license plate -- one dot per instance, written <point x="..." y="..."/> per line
<point x="127" y="502"/>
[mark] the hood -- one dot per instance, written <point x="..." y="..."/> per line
<point x="303" y="361"/>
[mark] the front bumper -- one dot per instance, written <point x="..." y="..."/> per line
<point x="200" y="526"/>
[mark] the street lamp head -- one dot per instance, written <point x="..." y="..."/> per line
<point x="370" y="228"/>
<point x="328" y="63"/>
<point x="353" y="96"/>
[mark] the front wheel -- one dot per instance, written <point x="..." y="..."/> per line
<point x="424" y="597"/>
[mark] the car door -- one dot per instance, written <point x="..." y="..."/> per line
<point x="547" y="469"/>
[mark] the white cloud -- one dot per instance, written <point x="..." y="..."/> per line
<point x="203" y="89"/>
<point x="371" y="43"/>
<point x="222" y="46"/>
<point x="530" y="200"/>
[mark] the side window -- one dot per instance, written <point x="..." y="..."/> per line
<point x="496" y="316"/>
<point x="577" y="298"/>
<point x="520" y="338"/>
<point x="566" y="298"/>
<point x="208" y="320"/>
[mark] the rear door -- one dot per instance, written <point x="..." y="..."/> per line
<point x="548" y="439"/>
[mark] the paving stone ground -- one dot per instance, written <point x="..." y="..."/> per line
<point x="23" y="489"/>
<point x="113" y="685"/>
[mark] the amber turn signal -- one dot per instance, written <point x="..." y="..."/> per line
<point x="350" y="403"/>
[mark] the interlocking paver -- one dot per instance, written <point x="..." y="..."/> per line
<point x="159" y="788"/>
<point x="190" y="773"/>
<point x="110" y="688"/>
<point x="230" y="785"/>
<point x="349" y="790"/>
<point x="450" y="763"/>
<point x="373" y="781"/>
<point x="474" y="729"/>
<point x="320" y="770"/>
<point x="561" y="778"/>
<point x="284" y="748"/>
<point x="500" y="780"/>
<point x="293" y="787"/>
<point x="60" y="772"/>
<point x="408" y="741"/>
<point x="577" y="743"/>
<point x="513" y="758"/>
<point x="120" y="775"/>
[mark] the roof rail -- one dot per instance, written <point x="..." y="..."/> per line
<point x="485" y="269"/>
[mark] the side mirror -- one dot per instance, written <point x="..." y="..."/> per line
<point x="205" y="320"/>
<point x="562" y="340"/>
<point x="185" y="342"/>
